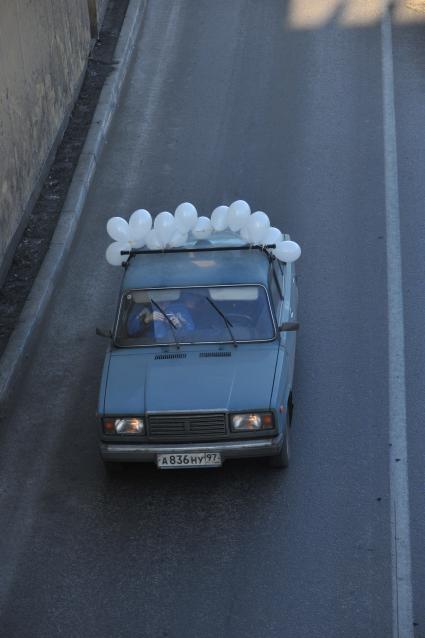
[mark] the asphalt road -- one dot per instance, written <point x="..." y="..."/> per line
<point x="229" y="100"/>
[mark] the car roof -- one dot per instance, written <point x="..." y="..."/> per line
<point x="192" y="268"/>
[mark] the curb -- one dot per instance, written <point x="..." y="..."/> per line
<point x="33" y="311"/>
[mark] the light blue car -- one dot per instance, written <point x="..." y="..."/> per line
<point x="201" y="360"/>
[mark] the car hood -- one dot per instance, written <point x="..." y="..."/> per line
<point x="140" y="381"/>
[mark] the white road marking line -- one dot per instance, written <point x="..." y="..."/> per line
<point x="399" y="483"/>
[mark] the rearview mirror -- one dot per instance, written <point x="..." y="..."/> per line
<point x="289" y="326"/>
<point x="104" y="333"/>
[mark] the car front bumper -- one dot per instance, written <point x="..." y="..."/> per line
<point x="147" y="452"/>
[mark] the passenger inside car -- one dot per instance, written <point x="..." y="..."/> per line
<point x="201" y="314"/>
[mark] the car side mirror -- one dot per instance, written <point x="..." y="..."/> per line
<point x="104" y="333"/>
<point x="289" y="326"/>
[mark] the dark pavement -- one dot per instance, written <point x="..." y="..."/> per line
<point x="225" y="100"/>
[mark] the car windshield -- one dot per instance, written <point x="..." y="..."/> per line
<point x="211" y="314"/>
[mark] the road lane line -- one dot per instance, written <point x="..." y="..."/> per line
<point x="399" y="483"/>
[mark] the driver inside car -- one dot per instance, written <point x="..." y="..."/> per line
<point x="139" y="320"/>
<point x="179" y="312"/>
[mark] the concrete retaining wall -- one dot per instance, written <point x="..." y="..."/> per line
<point x="44" y="47"/>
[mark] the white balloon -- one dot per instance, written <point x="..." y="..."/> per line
<point x="272" y="236"/>
<point x="137" y="243"/>
<point x="245" y="234"/>
<point x="178" y="239"/>
<point x="153" y="241"/>
<point x="219" y="218"/>
<point x="139" y="224"/>
<point x="117" y="228"/>
<point x="186" y="217"/>
<point x="238" y="215"/>
<point x="165" y="225"/>
<point x="287" y="251"/>
<point x="257" y="225"/>
<point x="203" y="228"/>
<point x="113" y="253"/>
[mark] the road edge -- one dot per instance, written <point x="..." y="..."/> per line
<point x="21" y="339"/>
<point x="401" y="560"/>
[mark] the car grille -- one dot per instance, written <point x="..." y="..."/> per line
<point x="194" y="427"/>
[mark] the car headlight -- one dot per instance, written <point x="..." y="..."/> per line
<point x="124" y="425"/>
<point x="252" y="422"/>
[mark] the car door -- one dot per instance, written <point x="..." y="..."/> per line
<point x="284" y="295"/>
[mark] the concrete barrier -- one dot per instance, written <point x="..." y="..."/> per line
<point x="44" y="47"/>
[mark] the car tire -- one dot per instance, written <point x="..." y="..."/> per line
<point x="282" y="459"/>
<point x="290" y="406"/>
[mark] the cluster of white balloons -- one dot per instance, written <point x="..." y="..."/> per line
<point x="172" y="231"/>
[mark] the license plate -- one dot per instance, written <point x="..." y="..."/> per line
<point x="195" y="459"/>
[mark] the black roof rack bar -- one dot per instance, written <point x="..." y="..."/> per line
<point x="200" y="249"/>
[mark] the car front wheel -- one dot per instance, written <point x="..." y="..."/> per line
<point x="282" y="459"/>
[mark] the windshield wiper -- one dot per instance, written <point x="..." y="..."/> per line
<point x="225" y="319"/>
<point x="173" y="327"/>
